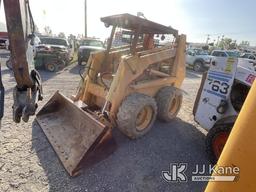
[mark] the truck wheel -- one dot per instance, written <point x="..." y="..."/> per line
<point x="136" y="115"/>
<point x="216" y="140"/>
<point x="52" y="67"/>
<point x="198" y="66"/>
<point x="79" y="62"/>
<point x="9" y="64"/>
<point x="61" y="65"/>
<point x="169" y="100"/>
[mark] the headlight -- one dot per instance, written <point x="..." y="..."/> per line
<point x="208" y="60"/>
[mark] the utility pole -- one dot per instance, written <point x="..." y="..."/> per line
<point x="207" y="39"/>
<point x="222" y="37"/>
<point x="85" y="18"/>
<point x="217" y="44"/>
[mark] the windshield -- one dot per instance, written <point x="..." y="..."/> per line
<point x="93" y="43"/>
<point x="201" y="52"/>
<point x="54" y="41"/>
<point x="232" y="54"/>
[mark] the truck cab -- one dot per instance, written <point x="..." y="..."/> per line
<point x="198" y="59"/>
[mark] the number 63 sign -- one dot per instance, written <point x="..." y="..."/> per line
<point x="216" y="88"/>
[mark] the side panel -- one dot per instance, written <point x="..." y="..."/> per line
<point x="190" y="59"/>
<point x="217" y="88"/>
<point x="246" y="71"/>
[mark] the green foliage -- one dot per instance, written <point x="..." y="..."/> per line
<point x="47" y="31"/>
<point x="244" y="44"/>
<point x="62" y="35"/>
<point x="227" y="43"/>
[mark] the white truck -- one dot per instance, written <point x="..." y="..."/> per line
<point x="198" y="59"/>
<point x="220" y="97"/>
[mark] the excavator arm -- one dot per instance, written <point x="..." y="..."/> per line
<point x="22" y="38"/>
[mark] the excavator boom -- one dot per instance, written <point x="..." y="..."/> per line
<point x="21" y="28"/>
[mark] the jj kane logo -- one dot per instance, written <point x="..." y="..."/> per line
<point x="177" y="173"/>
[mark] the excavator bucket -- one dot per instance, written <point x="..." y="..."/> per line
<point x="74" y="133"/>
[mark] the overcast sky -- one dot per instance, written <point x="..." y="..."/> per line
<point x="196" y="18"/>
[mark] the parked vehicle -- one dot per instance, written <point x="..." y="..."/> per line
<point x="198" y="59"/>
<point x="225" y="53"/>
<point x="87" y="46"/>
<point x="52" y="61"/>
<point x="2" y="43"/>
<point x="55" y="44"/>
<point x="248" y="56"/>
<point x="220" y="98"/>
<point x="52" y="54"/>
<point x="125" y="87"/>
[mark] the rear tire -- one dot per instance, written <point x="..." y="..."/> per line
<point x="9" y="64"/>
<point x="169" y="100"/>
<point x="79" y="62"/>
<point x="136" y="115"/>
<point x="216" y="140"/>
<point x="52" y="67"/>
<point x="198" y="66"/>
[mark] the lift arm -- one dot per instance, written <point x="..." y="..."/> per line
<point x="21" y="28"/>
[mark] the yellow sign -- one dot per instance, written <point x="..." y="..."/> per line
<point x="229" y="66"/>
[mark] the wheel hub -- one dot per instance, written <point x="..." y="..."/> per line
<point x="144" y="118"/>
<point x="174" y="105"/>
<point x="51" y="67"/>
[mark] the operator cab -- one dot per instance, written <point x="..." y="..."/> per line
<point x="131" y="35"/>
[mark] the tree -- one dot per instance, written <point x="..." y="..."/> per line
<point x="227" y="43"/>
<point x="244" y="44"/>
<point x="62" y="35"/>
<point x="36" y="29"/>
<point x="47" y="31"/>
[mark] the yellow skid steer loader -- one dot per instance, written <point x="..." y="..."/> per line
<point x="125" y="87"/>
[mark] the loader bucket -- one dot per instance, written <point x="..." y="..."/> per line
<point x="74" y="133"/>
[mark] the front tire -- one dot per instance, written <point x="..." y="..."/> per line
<point x="198" y="66"/>
<point x="79" y="62"/>
<point x="169" y="100"/>
<point x="216" y="140"/>
<point x="52" y="67"/>
<point x="136" y="115"/>
<point x="9" y="64"/>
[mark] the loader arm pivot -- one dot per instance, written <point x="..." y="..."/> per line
<point x="21" y="27"/>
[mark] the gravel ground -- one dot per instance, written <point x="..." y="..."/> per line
<point x="28" y="163"/>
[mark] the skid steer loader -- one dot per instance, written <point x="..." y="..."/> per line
<point x="125" y="87"/>
<point x="221" y="95"/>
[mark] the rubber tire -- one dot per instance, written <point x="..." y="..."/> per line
<point x="61" y="65"/>
<point x="55" y="67"/>
<point x="198" y="63"/>
<point x="128" y="111"/>
<point x="79" y="62"/>
<point x="9" y="64"/>
<point x="165" y="96"/>
<point x="213" y="132"/>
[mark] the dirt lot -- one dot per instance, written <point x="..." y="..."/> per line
<point x="28" y="163"/>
